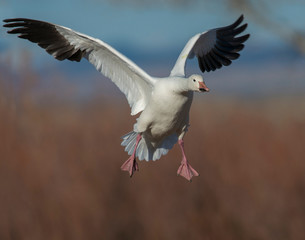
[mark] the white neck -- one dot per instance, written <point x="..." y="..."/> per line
<point x="180" y="85"/>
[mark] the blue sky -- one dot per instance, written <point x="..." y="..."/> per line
<point x="152" y="32"/>
<point x="140" y="24"/>
<point x="155" y="26"/>
<point x="130" y="28"/>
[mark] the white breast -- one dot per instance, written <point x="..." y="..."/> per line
<point x="166" y="113"/>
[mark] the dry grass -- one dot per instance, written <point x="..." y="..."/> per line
<point x="60" y="172"/>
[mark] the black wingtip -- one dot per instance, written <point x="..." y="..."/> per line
<point x="245" y="37"/>
<point x="8" y="20"/>
<point x="239" y="20"/>
<point x="15" y="20"/>
<point x="235" y="24"/>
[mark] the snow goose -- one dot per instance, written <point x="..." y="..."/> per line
<point x="164" y="103"/>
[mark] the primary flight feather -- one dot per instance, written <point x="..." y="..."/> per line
<point x="164" y="103"/>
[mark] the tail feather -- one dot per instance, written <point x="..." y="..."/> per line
<point x="145" y="150"/>
<point x="140" y="151"/>
<point x="129" y="140"/>
<point x="131" y="145"/>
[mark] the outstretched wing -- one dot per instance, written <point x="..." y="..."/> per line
<point x="64" y="43"/>
<point x="214" y="48"/>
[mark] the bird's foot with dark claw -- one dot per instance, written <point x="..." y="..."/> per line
<point x="130" y="165"/>
<point x="185" y="170"/>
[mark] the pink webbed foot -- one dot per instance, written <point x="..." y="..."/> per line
<point x="130" y="165"/>
<point x="185" y="170"/>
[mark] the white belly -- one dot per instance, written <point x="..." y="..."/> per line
<point x="165" y="115"/>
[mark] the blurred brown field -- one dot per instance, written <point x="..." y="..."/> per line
<point x="60" y="174"/>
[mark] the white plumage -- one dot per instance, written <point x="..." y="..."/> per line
<point x="164" y="103"/>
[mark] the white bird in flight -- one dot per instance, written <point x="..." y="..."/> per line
<point x="164" y="103"/>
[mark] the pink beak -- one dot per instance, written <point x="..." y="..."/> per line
<point x="203" y="87"/>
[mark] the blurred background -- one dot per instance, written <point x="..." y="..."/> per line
<point x="61" y="123"/>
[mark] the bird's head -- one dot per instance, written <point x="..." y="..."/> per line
<point x="197" y="84"/>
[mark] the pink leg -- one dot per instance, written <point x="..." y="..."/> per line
<point x="131" y="165"/>
<point x="185" y="169"/>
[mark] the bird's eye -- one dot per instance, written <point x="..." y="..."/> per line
<point x="194" y="80"/>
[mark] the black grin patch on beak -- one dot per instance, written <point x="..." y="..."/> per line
<point x="202" y="90"/>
